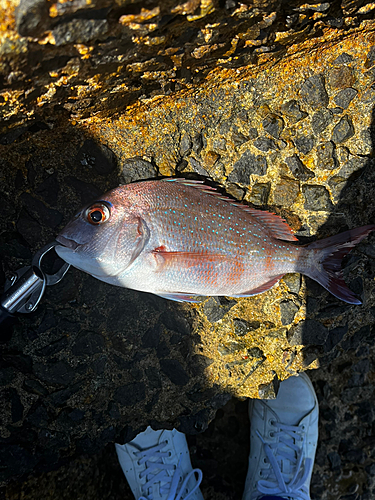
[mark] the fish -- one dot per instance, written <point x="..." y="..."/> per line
<point x="181" y="239"/>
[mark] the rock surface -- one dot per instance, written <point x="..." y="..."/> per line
<point x="273" y="102"/>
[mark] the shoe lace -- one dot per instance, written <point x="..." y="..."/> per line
<point x="288" y="446"/>
<point x="175" y="486"/>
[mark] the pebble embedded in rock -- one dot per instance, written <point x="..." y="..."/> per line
<point x="326" y="156"/>
<point x="59" y="373"/>
<point x="98" y="157"/>
<point x="85" y="190"/>
<point x="153" y="375"/>
<point x="304" y="143"/>
<point x="216" y="307"/>
<point x="336" y="184"/>
<point x="320" y="120"/>
<point x="54" y="347"/>
<point x="298" y="169"/>
<point x="269" y="391"/>
<point x="340" y="78"/>
<point x="273" y="124"/>
<point x="88" y="344"/>
<point x="173" y="369"/>
<point x="79" y="31"/>
<point x="49" y="189"/>
<point x="181" y="166"/>
<point x="136" y="169"/>
<point x="194" y="424"/>
<point x="370" y="59"/>
<point x="38" y="416"/>
<point x="313" y="92"/>
<point x="345" y="97"/>
<point x="38" y="209"/>
<point x="243" y="327"/>
<point x="293" y="282"/>
<point x="197" y="143"/>
<point x="231" y="347"/>
<point x="288" y="310"/>
<point x="238" y="138"/>
<point x="316" y="198"/>
<point x="29" y="228"/>
<point x="343" y="131"/>
<point x="252" y="133"/>
<point x="15" y="245"/>
<point x="343" y="58"/>
<point x="220" y="144"/>
<point x="247" y="165"/>
<point x="176" y="321"/>
<point x="19" y="460"/>
<point x="354" y="164"/>
<point x="99" y="365"/>
<point x="225" y="127"/>
<point x="259" y="194"/>
<point x="309" y="332"/>
<point x="130" y="394"/>
<point x="185" y="144"/>
<point x="197" y="167"/>
<point x="13" y="135"/>
<point x="285" y="192"/>
<point x="264" y="144"/>
<point x="152" y="336"/>
<point x="17" y="407"/>
<point x="235" y="191"/>
<point x="335" y="460"/>
<point x="292" y="110"/>
<point x="211" y="158"/>
<point x="335" y="336"/>
<point x="34" y="386"/>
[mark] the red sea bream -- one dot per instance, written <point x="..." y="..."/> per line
<point x="180" y="239"/>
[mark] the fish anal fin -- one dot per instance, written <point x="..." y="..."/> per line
<point x="181" y="297"/>
<point x="260" y="289"/>
<point x="273" y="222"/>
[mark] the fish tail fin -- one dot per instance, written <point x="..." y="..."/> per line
<point x="327" y="269"/>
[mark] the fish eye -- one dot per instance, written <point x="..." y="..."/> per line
<point x="97" y="214"/>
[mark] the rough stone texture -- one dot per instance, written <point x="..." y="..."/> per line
<point x="273" y="102"/>
<point x="298" y="169"/>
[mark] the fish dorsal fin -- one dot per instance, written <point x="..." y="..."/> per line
<point x="276" y="224"/>
<point x="193" y="183"/>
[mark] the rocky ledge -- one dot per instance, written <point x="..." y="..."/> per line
<point x="274" y="104"/>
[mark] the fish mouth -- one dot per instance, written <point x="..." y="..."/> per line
<point x="66" y="242"/>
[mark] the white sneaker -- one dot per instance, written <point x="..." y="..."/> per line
<point x="283" y="439"/>
<point x="157" y="466"/>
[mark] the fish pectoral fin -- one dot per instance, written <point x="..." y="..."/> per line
<point x="181" y="297"/>
<point x="185" y="259"/>
<point x="143" y="235"/>
<point x="260" y="289"/>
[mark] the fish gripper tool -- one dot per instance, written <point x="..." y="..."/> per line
<point x="23" y="291"/>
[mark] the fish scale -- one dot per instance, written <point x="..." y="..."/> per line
<point x="180" y="239"/>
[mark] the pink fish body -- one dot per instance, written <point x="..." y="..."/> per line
<point x="180" y="239"/>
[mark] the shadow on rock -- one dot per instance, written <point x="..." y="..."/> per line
<point x="94" y="363"/>
<point x="330" y="320"/>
